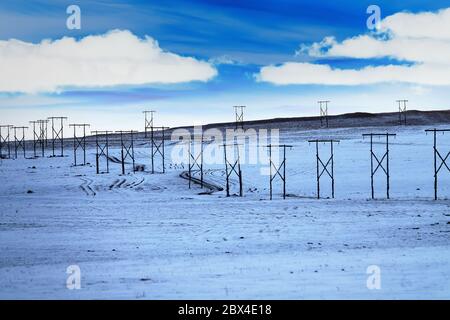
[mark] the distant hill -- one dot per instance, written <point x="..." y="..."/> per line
<point x="357" y="119"/>
<point x="348" y="120"/>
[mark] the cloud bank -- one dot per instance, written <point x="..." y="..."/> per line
<point x="115" y="58"/>
<point x="420" y="40"/>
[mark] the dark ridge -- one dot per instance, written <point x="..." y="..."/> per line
<point x="348" y="120"/>
<point x="356" y="119"/>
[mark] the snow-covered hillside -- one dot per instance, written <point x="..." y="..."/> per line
<point x="149" y="236"/>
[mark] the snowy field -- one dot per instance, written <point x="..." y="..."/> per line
<point x="144" y="236"/>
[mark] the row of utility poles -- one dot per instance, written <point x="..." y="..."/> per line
<point x="40" y="138"/>
<point x="40" y="133"/>
<point x="324" y="166"/>
<point x="323" y="113"/>
<point x="13" y="142"/>
<point x="379" y="162"/>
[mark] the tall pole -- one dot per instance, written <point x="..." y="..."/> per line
<point x="163" y="151"/>
<point x="240" y="173"/>
<point x="278" y="169"/>
<point x="387" y="166"/>
<point x="270" y="160"/>
<point x="371" y="166"/>
<point x="102" y="149"/>
<point x="43" y="124"/>
<point x="157" y="147"/>
<point x="53" y="136"/>
<point x="132" y="150"/>
<point x="148" y="121"/>
<point x="5" y="140"/>
<point x="15" y="142"/>
<point x="402" y="110"/>
<point x="332" y="170"/>
<point x="34" y="138"/>
<point x="438" y="157"/>
<point x="107" y="152"/>
<point x="189" y="163"/>
<point x="84" y="144"/>
<point x="79" y="141"/>
<point x="97" y="156"/>
<point x="19" y="142"/>
<point x="201" y="161"/>
<point x="24" y="145"/>
<point x="324" y="166"/>
<point x="435" y="165"/>
<point x="323" y="105"/>
<point x="226" y="169"/>
<point x="74" y="145"/>
<point x="62" y="137"/>
<point x="317" y="166"/>
<point x="58" y="134"/>
<point x="239" y="113"/>
<point x="152" y="137"/>
<point x="123" y="159"/>
<point x="380" y="163"/>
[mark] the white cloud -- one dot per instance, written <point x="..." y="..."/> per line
<point x="308" y="73"/>
<point x="421" y="39"/>
<point x="421" y="25"/>
<point x="223" y="60"/>
<point x="115" y="58"/>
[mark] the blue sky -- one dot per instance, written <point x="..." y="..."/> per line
<point x="250" y="34"/>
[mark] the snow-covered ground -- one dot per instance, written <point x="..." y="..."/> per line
<point x="150" y="237"/>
